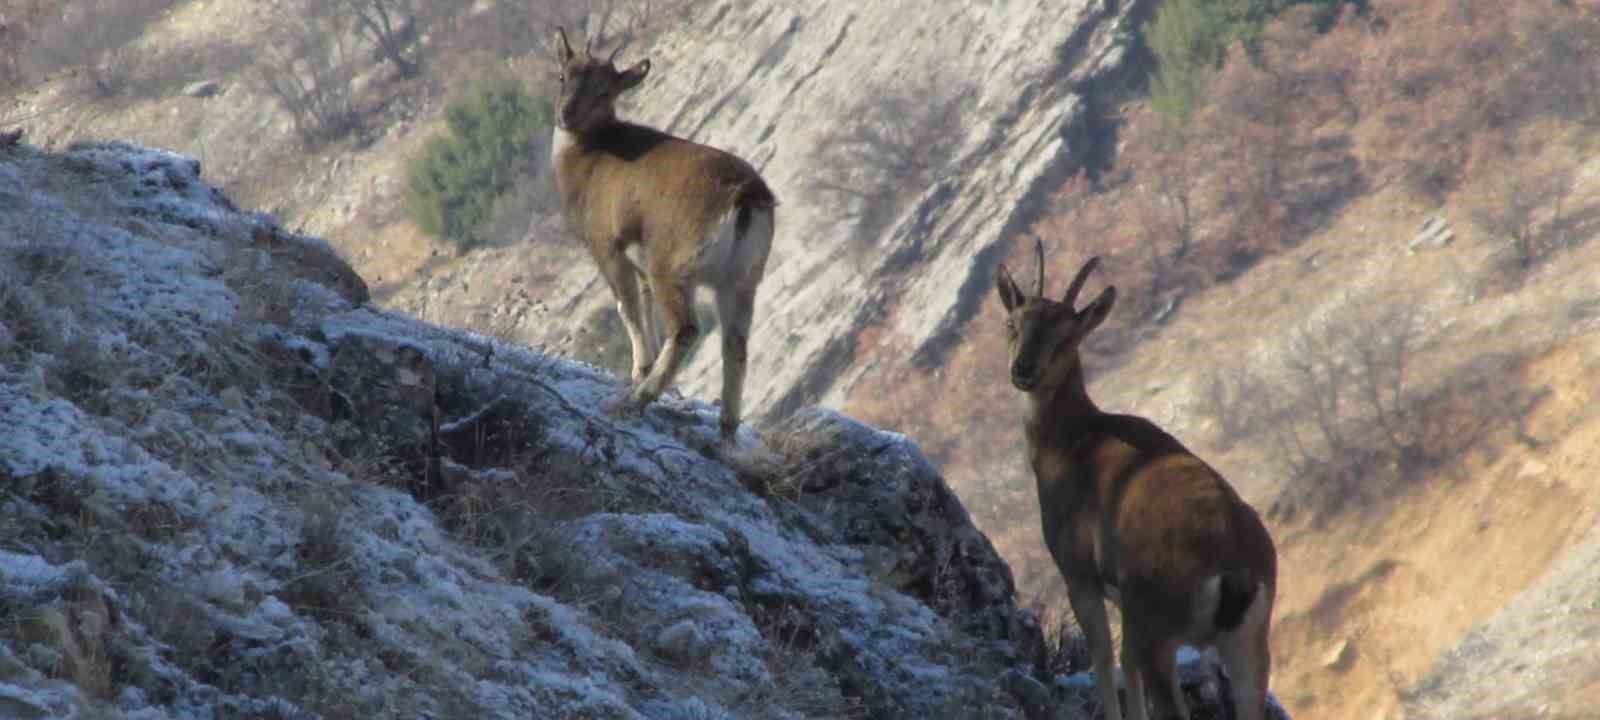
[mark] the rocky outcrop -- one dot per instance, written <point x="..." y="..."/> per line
<point x="230" y="489"/>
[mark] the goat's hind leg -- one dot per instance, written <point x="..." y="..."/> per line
<point x="736" y="305"/>
<point x="735" y="309"/>
<point x="1154" y="663"/>
<point x="1247" y="657"/>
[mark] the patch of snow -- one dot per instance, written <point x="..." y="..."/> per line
<point x="29" y="578"/>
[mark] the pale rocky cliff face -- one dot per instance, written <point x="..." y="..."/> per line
<point x="765" y="80"/>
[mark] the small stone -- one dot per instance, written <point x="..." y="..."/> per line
<point x="682" y="640"/>
<point x="1435" y="232"/>
<point x="202" y="89"/>
<point x="1338" y="656"/>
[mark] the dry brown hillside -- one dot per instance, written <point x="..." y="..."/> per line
<point x="1409" y="404"/>
<point x="1360" y="280"/>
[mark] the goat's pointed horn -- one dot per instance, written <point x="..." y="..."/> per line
<point x="613" y="58"/>
<point x="588" y="47"/>
<point x="1038" y="254"/>
<point x="1071" y="299"/>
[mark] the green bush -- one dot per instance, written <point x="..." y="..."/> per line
<point x="1187" y="38"/>
<point x="1190" y="37"/>
<point x="495" y="134"/>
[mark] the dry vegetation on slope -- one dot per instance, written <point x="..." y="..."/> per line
<point x="1393" y="404"/>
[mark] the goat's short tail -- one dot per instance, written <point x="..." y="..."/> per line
<point x="1235" y="592"/>
<point x="755" y="195"/>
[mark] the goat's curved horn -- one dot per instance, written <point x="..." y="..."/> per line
<point x="1038" y="254"/>
<point x="613" y="58"/>
<point x="1071" y="299"/>
<point x="588" y="47"/>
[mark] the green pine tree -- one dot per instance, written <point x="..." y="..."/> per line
<point x="493" y="134"/>
<point x="1190" y="38"/>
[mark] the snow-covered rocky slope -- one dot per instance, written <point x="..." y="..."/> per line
<point x="231" y="488"/>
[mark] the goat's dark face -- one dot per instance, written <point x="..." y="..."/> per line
<point x="1042" y="335"/>
<point x="590" y="87"/>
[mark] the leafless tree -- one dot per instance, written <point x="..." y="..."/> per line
<point x="16" y="25"/>
<point x="1347" y="416"/>
<point x="309" y="66"/>
<point x="89" y="37"/>
<point x="1512" y="202"/>
<point x="610" y="23"/>
<point x="1232" y="395"/>
<point x="1379" y="348"/>
<point x="1319" y="377"/>
<point x="392" y="26"/>
<point x="891" y="148"/>
<point x="1165" y="213"/>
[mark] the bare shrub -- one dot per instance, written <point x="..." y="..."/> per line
<point x="393" y="28"/>
<point x="1350" y="423"/>
<point x="1562" y="67"/>
<point x="167" y="70"/>
<point x="1435" y="112"/>
<point x="1521" y="199"/>
<point x="513" y="495"/>
<point x="1319" y="379"/>
<point x="309" y="67"/>
<point x="1283" y="118"/>
<point x="321" y="587"/>
<point x="18" y="22"/>
<point x="610" y="23"/>
<point x="891" y="147"/>
<point x="1066" y="647"/>
<point x="520" y="518"/>
<point x="1176" y="184"/>
<point x="1379" y="349"/>
<point x="504" y="28"/>
<point x="92" y="37"/>
<point x="1232" y="395"/>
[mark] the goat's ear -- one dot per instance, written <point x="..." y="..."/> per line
<point x="1010" y="294"/>
<point x="564" y="51"/>
<point x="634" y="75"/>
<point x="1096" y="312"/>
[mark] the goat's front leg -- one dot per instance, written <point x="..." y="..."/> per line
<point x="1090" y="607"/>
<point x="625" y="286"/>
